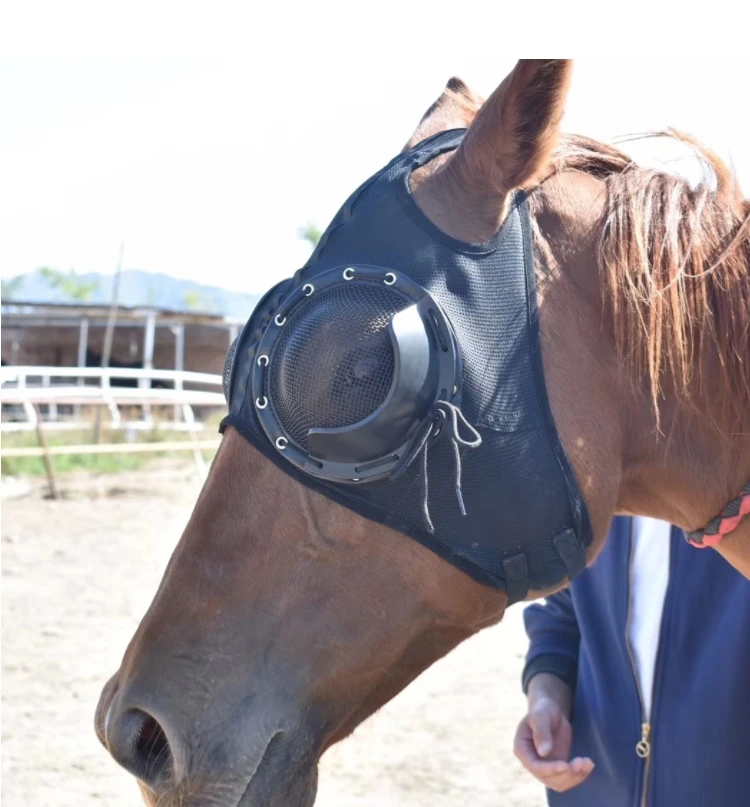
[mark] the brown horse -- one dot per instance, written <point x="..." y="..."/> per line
<point x="283" y="620"/>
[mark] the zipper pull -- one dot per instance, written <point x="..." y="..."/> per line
<point x="643" y="746"/>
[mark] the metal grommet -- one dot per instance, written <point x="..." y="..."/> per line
<point x="279" y="320"/>
<point x="262" y="360"/>
<point x="261" y="402"/>
<point x="349" y="274"/>
<point x="281" y="443"/>
<point x="308" y="288"/>
<point x="389" y="279"/>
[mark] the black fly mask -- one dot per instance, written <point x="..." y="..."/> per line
<point x="399" y="373"/>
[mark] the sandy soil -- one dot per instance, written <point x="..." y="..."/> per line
<point x="77" y="576"/>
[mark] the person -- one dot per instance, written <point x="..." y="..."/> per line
<point x="638" y="678"/>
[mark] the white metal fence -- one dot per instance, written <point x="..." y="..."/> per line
<point x="25" y="390"/>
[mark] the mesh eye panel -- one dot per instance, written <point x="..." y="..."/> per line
<point x="333" y="364"/>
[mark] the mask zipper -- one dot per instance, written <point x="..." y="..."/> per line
<point x="643" y="746"/>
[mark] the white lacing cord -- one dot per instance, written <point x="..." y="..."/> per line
<point x="447" y="419"/>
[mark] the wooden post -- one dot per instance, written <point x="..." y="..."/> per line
<point x="52" y="405"/>
<point x="108" y="335"/>
<point x="148" y="347"/>
<point x="83" y="343"/>
<point x="32" y="414"/>
<point x="148" y="358"/>
<point x="47" y="459"/>
<point x="179" y="362"/>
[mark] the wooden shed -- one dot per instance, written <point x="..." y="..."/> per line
<point x="63" y="335"/>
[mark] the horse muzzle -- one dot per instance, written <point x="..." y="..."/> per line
<point x="247" y="760"/>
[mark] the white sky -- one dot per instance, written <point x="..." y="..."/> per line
<point x="205" y="163"/>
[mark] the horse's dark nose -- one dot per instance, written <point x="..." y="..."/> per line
<point x="139" y="743"/>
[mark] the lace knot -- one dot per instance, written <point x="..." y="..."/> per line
<point x="447" y="421"/>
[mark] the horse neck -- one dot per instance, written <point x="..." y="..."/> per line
<point x="683" y="467"/>
<point x="686" y="467"/>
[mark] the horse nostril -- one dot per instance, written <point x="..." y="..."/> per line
<point x="137" y="741"/>
<point x="152" y="746"/>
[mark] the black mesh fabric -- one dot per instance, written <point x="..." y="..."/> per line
<point x="519" y="489"/>
<point x="333" y="364"/>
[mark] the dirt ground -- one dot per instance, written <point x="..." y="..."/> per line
<point x="78" y="574"/>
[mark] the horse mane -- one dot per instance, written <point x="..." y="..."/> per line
<point x="676" y="264"/>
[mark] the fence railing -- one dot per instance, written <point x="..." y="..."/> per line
<point x="20" y="373"/>
<point x="31" y="387"/>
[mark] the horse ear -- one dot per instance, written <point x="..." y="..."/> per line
<point x="456" y="108"/>
<point x="510" y="143"/>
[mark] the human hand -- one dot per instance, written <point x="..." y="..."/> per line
<point x="542" y="744"/>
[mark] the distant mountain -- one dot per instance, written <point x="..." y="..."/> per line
<point x="136" y="288"/>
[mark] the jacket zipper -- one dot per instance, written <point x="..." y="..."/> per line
<point x="643" y="749"/>
<point x="643" y="746"/>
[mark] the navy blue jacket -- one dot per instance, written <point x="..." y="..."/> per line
<point x="700" y="716"/>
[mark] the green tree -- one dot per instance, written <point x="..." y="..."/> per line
<point x="194" y="301"/>
<point x="310" y="233"/>
<point x="72" y="286"/>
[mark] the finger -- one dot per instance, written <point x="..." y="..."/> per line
<point x="567" y="779"/>
<point x="546" y="768"/>
<point x="563" y="781"/>
<point x="524" y="748"/>
<point x="582" y="765"/>
<point x="526" y="751"/>
<point x="541" y="729"/>
<point x="547" y="772"/>
<point x="550" y="768"/>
